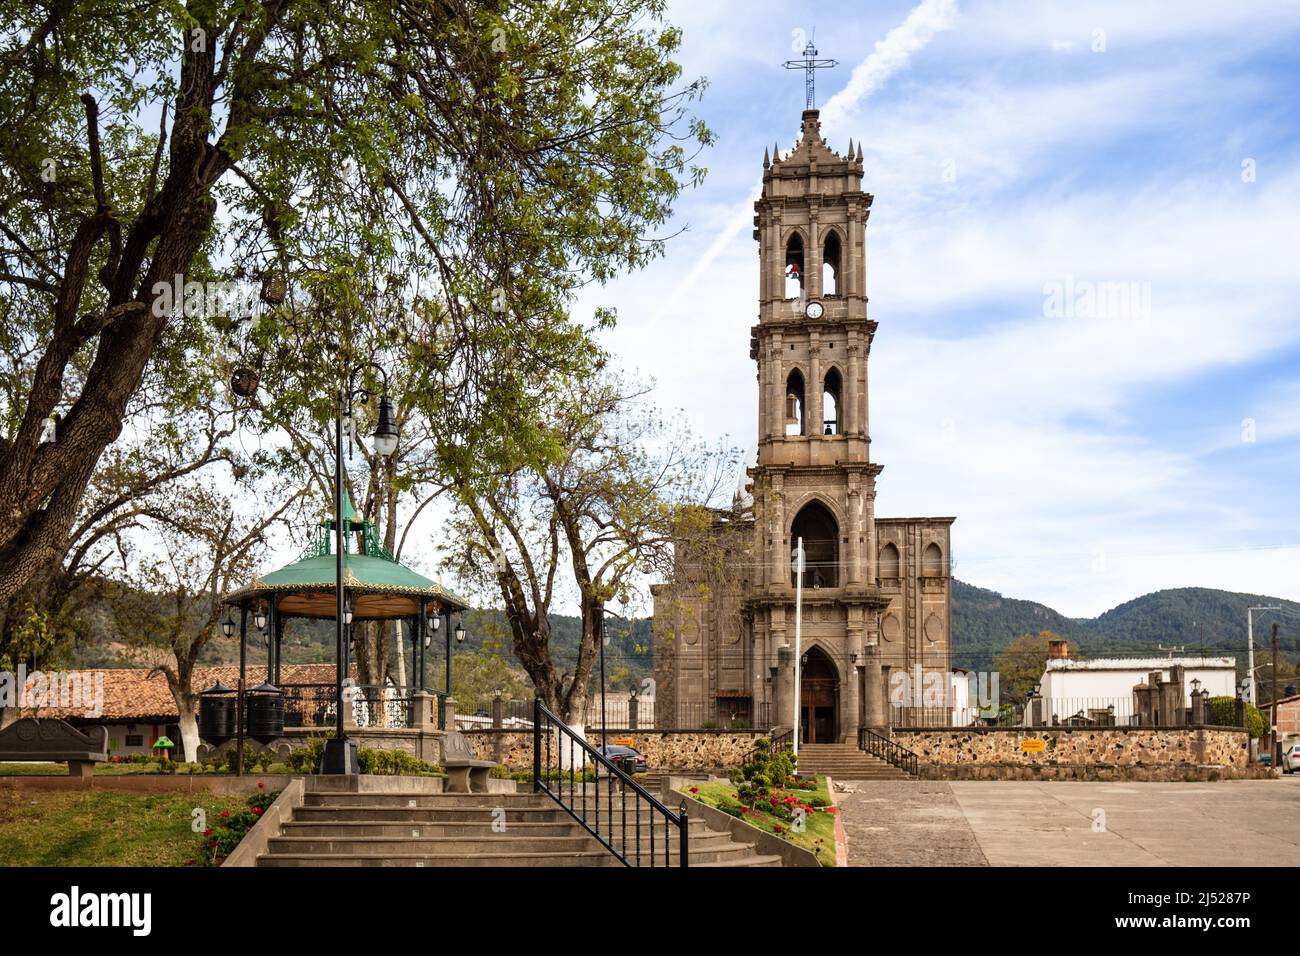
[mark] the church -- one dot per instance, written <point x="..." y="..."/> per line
<point x="876" y="605"/>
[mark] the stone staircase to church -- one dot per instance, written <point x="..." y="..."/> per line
<point x="498" y="829"/>
<point x="846" y="762"/>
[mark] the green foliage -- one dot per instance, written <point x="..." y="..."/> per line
<point x="307" y="759"/>
<point x="1222" y="712"/>
<point x="225" y="832"/>
<point x="395" y="763"/>
<point x="499" y="772"/>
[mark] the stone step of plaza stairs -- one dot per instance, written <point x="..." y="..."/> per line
<point x="846" y="762"/>
<point x="520" y="829"/>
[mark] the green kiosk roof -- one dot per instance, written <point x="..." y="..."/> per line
<point x="379" y="587"/>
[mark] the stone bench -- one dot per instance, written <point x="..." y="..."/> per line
<point x="55" y="741"/>
<point x="465" y="773"/>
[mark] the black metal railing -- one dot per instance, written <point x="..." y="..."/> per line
<point x="597" y="794"/>
<point x="308" y="705"/>
<point x="776" y="743"/>
<point x="887" y="750"/>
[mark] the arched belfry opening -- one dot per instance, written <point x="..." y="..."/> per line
<point x="831" y="265"/>
<point x="831" y="403"/>
<point x="794" y="267"/>
<point x="794" y="403"/>
<point x="820" y="532"/>
<point x="819" y="698"/>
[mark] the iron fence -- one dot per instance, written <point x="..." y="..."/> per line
<point x="621" y="814"/>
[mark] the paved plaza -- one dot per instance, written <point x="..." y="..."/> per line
<point x="1017" y="823"/>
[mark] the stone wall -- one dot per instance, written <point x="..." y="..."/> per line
<point x="664" y="749"/>
<point x="1111" y="753"/>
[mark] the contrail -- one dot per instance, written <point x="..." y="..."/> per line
<point x="890" y="55"/>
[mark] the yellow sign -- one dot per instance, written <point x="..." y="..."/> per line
<point x="623" y="742"/>
<point x="1033" y="746"/>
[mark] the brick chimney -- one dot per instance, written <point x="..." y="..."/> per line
<point x="1058" y="650"/>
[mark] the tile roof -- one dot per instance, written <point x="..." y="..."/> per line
<point x="130" y="693"/>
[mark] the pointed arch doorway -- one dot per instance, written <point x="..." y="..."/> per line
<point x="819" y="699"/>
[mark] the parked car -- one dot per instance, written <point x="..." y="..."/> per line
<point x="627" y="759"/>
<point x="1291" y="757"/>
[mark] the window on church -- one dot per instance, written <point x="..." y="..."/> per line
<point x="820" y="533"/>
<point x="889" y="561"/>
<point x="794" y="403"/>
<point x="794" y="267"/>
<point x="831" y="403"/>
<point x="932" y="561"/>
<point x="831" y="265"/>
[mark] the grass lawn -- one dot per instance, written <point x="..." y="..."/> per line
<point x="818" y="834"/>
<point x="102" y="828"/>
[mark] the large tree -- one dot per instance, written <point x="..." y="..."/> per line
<point x="490" y="157"/>
<point x="591" y="525"/>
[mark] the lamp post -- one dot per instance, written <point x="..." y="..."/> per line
<point x="604" y="639"/>
<point x="340" y="753"/>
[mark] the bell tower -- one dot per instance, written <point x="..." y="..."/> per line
<point x="877" y="618"/>
<point x="814" y="477"/>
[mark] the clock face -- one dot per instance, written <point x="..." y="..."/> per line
<point x="813" y="310"/>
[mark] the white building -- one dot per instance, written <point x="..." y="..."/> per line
<point x="1087" y="690"/>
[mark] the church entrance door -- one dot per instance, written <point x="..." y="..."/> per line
<point x="819" y="698"/>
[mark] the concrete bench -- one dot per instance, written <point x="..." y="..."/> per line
<point x="55" y="741"/>
<point x="465" y="774"/>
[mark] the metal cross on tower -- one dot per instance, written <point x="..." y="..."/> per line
<point x="810" y="64"/>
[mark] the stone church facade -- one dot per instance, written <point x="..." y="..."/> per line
<point x="876" y="591"/>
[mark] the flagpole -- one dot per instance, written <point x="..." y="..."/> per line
<point x="798" y="637"/>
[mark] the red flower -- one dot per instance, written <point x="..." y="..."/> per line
<point x="695" y="789"/>
<point x="257" y="811"/>
<point x="213" y="844"/>
<point x="225" y="813"/>
<point x="260" y="785"/>
<point x="208" y="832"/>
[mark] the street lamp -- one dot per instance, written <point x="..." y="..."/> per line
<point x="228" y="625"/>
<point x="460" y="632"/>
<point x="259" y="617"/>
<point x="340" y="753"/>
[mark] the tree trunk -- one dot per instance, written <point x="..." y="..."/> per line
<point x="190" y="735"/>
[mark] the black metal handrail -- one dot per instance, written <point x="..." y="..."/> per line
<point x="884" y="748"/>
<point x="582" y="799"/>
<point x="775" y="744"/>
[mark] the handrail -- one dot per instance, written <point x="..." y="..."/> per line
<point x="548" y="769"/>
<point x="895" y="754"/>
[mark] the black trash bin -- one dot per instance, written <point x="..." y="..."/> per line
<point x="216" y="714"/>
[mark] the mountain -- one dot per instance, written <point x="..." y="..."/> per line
<point x="984" y="622"/>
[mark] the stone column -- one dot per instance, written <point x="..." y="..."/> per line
<point x="813" y="388"/>
<point x="850" y="705"/>
<point x="633" y="707"/>
<point x="852" y="415"/>
<point x="874" y="704"/>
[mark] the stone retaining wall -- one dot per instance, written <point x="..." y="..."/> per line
<point x="664" y="749"/>
<point x="1109" y="753"/>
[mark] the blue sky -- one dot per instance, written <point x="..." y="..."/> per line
<point x="1089" y="459"/>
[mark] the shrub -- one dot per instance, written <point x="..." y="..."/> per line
<point x="220" y="839"/>
<point x="307" y="759"/>
<point x="395" y="763"/>
<point x="1222" y="712"/>
<point x="499" y="772"/>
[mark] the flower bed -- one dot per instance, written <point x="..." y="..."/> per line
<point x="222" y="836"/>
<point x="767" y="793"/>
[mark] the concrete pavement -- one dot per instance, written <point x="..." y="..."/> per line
<point x="1023" y="823"/>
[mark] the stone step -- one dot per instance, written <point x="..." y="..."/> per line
<point x="348" y="829"/>
<point x="418" y="800"/>
<point x="429" y="814"/>
<point x="436" y="846"/>
<point x="749" y="861"/>
<point x="596" y="857"/>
